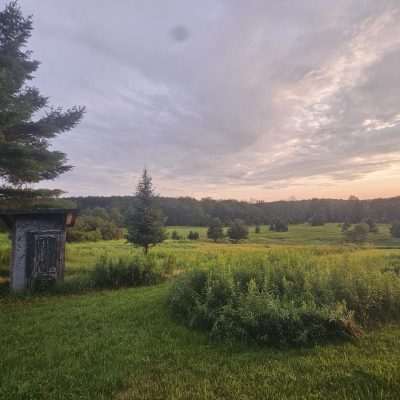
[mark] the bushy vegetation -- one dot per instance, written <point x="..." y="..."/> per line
<point x="130" y="272"/>
<point x="287" y="298"/>
<point x="93" y="227"/>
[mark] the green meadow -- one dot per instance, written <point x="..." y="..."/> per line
<point x="124" y="344"/>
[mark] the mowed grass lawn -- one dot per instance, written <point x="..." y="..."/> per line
<point x="123" y="344"/>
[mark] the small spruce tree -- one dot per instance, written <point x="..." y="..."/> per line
<point x="145" y="222"/>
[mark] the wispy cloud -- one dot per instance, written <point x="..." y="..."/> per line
<point x="246" y="99"/>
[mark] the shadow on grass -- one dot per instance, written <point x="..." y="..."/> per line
<point x="73" y="285"/>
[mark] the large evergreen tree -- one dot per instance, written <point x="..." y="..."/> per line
<point x="145" y="222"/>
<point x="27" y="122"/>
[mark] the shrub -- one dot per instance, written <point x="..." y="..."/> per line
<point x="137" y="271"/>
<point x="193" y="235"/>
<point x="358" y="234"/>
<point x="279" y="226"/>
<point x="395" y="229"/>
<point x="286" y="300"/>
<point x="257" y="229"/>
<point x="175" y="235"/>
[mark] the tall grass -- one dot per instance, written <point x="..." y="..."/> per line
<point x="289" y="297"/>
<point x="4" y="258"/>
<point x="139" y="270"/>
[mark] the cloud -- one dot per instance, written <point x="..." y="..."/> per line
<point x="220" y="98"/>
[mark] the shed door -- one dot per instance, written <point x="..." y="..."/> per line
<point x="45" y="255"/>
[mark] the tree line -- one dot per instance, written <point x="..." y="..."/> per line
<point x="187" y="211"/>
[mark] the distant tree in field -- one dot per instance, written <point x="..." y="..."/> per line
<point x="175" y="235"/>
<point x="27" y="122"/>
<point x="145" y="222"/>
<point x="257" y="229"/>
<point x="316" y="220"/>
<point x="358" y="234"/>
<point x="395" y="229"/>
<point x="237" y="230"/>
<point x="279" y="226"/>
<point x="345" y="226"/>
<point x="193" y="235"/>
<point x="215" y="230"/>
<point x="373" y="228"/>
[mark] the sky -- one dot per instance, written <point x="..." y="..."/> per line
<point x="250" y="99"/>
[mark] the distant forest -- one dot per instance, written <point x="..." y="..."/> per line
<point x="188" y="211"/>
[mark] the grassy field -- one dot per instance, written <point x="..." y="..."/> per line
<point x="122" y="344"/>
<point x="304" y="234"/>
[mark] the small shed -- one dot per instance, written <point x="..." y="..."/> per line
<point x="38" y="244"/>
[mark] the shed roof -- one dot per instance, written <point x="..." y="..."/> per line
<point x="8" y="215"/>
